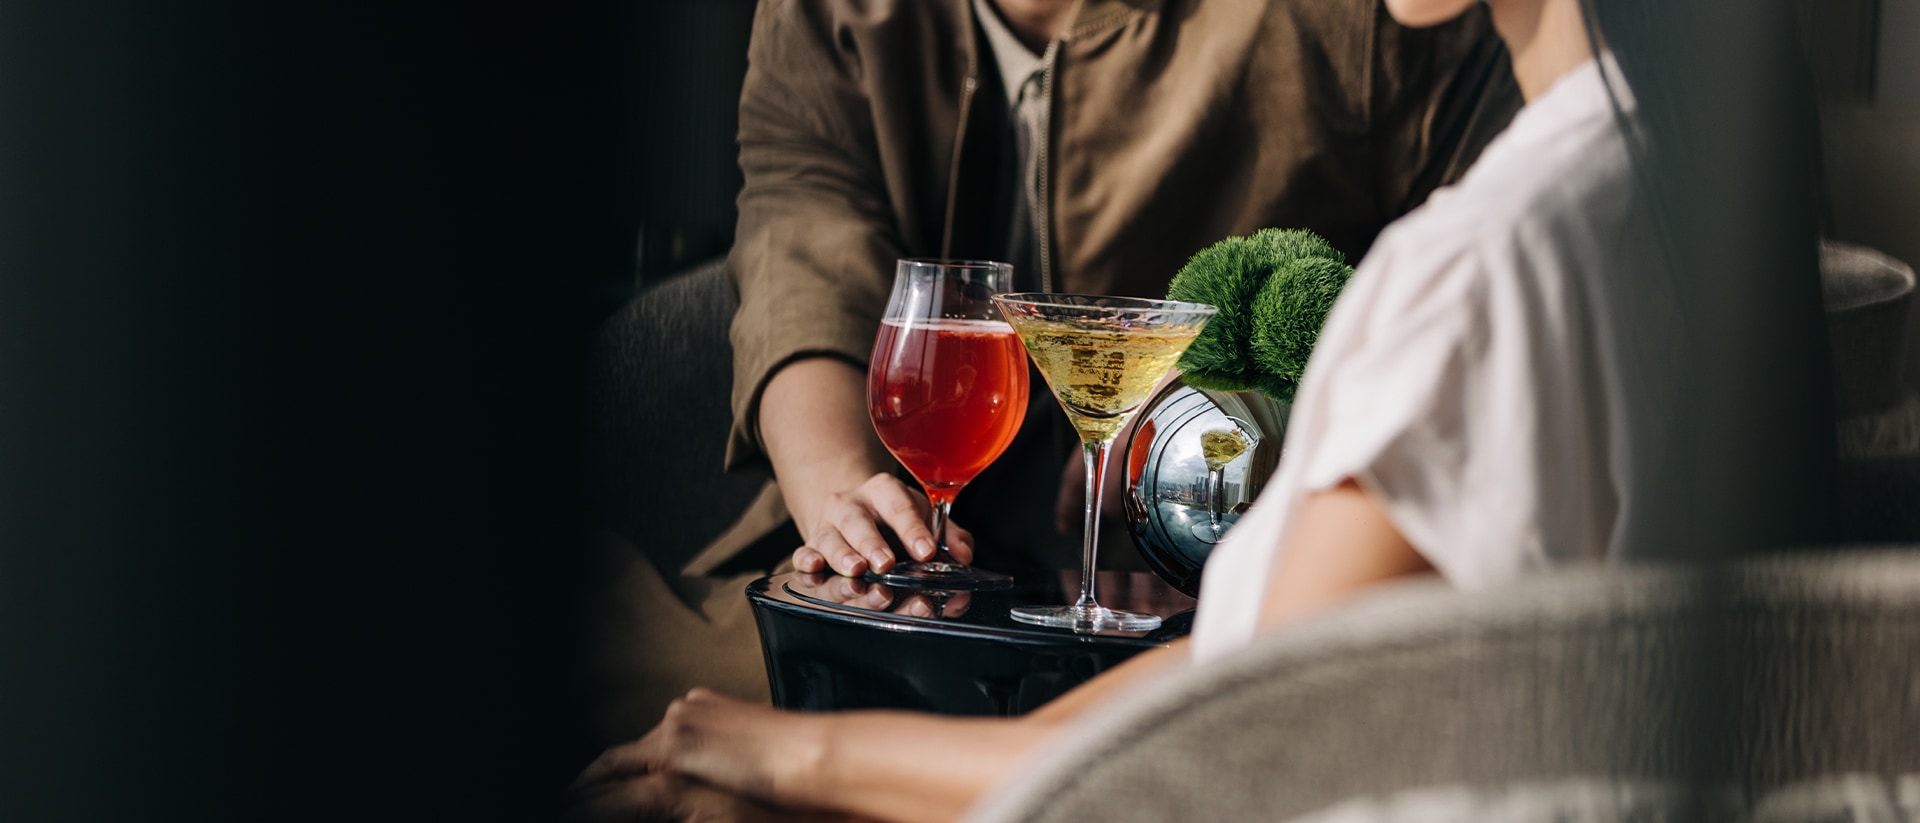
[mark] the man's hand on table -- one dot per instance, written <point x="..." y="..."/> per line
<point x="833" y="473"/>
<point x="845" y="534"/>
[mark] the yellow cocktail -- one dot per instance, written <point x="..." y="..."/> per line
<point x="1102" y="357"/>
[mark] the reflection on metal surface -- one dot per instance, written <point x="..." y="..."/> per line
<point x="1175" y="495"/>
<point x="1220" y="446"/>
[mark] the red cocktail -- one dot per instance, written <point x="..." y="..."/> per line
<point x="947" y="389"/>
<point x="947" y="396"/>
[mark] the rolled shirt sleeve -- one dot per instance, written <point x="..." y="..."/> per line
<point x="815" y="245"/>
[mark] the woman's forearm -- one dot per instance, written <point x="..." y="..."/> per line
<point x="903" y="766"/>
<point x="909" y="767"/>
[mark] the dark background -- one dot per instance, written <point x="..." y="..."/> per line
<point x="693" y="54"/>
<point x="295" y="299"/>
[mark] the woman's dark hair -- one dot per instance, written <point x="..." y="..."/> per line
<point x="1725" y="140"/>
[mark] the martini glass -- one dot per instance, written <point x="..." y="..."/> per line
<point x="1219" y="448"/>
<point x="1102" y="357"/>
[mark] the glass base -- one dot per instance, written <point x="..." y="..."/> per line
<point x="938" y="575"/>
<point x="1087" y="618"/>
<point x="1209" y="533"/>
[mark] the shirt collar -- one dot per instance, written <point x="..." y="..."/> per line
<point x="1016" y="62"/>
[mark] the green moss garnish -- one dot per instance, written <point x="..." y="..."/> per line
<point x="1274" y="290"/>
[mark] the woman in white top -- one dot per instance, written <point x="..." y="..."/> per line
<point x="1569" y="356"/>
<point x="1471" y="388"/>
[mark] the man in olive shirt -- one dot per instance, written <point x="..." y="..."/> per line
<point x="1097" y="145"/>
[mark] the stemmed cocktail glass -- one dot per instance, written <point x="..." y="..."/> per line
<point x="1102" y="357"/>
<point x="947" y="390"/>
<point x="1219" y="448"/>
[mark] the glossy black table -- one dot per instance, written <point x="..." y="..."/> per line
<point x="843" y="643"/>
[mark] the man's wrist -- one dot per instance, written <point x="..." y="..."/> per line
<point x="813" y="417"/>
<point x="807" y="495"/>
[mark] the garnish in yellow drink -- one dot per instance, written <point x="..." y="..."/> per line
<point x="1101" y="374"/>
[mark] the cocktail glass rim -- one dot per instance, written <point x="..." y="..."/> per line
<point x="956" y="263"/>
<point x="1041" y="298"/>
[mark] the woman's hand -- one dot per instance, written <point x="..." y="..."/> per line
<point x="741" y="748"/>
<point x="769" y="761"/>
<point x="844" y="535"/>
<point x="670" y="798"/>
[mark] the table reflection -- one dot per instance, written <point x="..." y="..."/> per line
<point x="835" y="642"/>
<point x="876" y="596"/>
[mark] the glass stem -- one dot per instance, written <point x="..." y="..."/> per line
<point x="1096" y="472"/>
<point x="941" y="508"/>
<point x="1216" y="494"/>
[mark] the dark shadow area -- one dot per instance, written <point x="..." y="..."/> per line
<point x="661" y="378"/>
<point x="295" y="305"/>
<point x="691" y="57"/>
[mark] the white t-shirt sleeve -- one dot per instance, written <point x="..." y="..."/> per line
<point x="1477" y="376"/>
<point x="1447" y="398"/>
